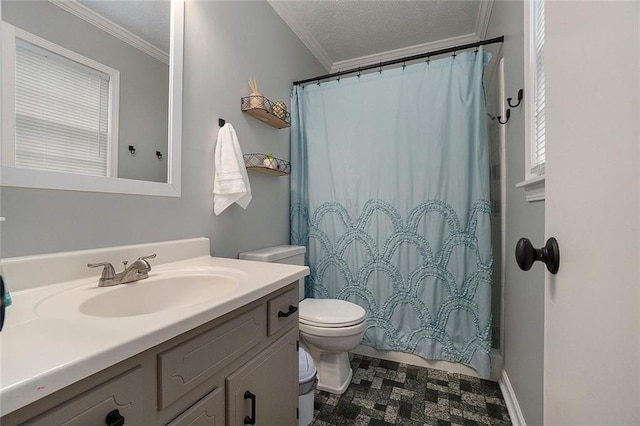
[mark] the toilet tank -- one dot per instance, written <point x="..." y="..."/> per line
<point x="290" y="255"/>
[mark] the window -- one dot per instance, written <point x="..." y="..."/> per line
<point x="65" y="110"/>
<point x="535" y="101"/>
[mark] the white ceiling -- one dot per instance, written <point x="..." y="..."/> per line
<point x="147" y="19"/>
<point x="345" y="34"/>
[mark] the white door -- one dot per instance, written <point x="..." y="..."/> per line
<point x="592" y="325"/>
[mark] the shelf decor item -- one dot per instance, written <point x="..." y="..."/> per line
<point x="256" y="98"/>
<point x="269" y="162"/>
<point x="279" y="109"/>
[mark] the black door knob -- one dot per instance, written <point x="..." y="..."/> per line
<point x="526" y="255"/>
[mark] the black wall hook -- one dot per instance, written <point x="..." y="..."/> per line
<point x="520" y="95"/>
<point x="132" y="150"/>
<point x="508" y="114"/>
<point x="159" y="155"/>
<point x="221" y="122"/>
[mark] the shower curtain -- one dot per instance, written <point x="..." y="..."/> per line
<point x="390" y="195"/>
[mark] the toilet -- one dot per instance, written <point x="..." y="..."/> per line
<point x="329" y="328"/>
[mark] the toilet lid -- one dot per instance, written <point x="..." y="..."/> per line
<point x="331" y="313"/>
<point x="306" y="367"/>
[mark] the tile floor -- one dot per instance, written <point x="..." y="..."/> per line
<point x="386" y="392"/>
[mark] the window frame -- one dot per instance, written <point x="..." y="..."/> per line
<point x="534" y="176"/>
<point x="10" y="37"/>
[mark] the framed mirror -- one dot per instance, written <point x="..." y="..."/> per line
<point x="120" y="95"/>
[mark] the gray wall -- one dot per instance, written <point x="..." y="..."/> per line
<point x="524" y="291"/>
<point x="226" y="43"/>
<point x="144" y="81"/>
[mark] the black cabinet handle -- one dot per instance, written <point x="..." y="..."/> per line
<point x="2" y="306"/>
<point x="291" y="311"/>
<point x="114" y="418"/>
<point x="526" y="255"/>
<point x="250" y="420"/>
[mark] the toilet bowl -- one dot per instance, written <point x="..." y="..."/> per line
<point x="329" y="328"/>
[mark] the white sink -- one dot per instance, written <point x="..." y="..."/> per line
<point x="160" y="292"/>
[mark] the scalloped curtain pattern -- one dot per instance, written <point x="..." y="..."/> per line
<point x="390" y="195"/>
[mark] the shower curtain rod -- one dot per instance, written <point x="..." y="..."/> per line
<point x="401" y="60"/>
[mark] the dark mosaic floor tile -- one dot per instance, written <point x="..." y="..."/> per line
<point x="386" y="393"/>
<point x="498" y="412"/>
<point x="389" y="365"/>
<point x="455" y="397"/>
<point x="465" y="385"/>
<point x="392" y="383"/>
<point x="431" y="395"/>
<point x="347" y="410"/>
<point x="405" y="410"/>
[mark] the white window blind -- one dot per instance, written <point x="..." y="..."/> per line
<point x="537" y="38"/>
<point x="62" y="113"/>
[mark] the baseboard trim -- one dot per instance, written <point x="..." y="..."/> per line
<point x="511" y="401"/>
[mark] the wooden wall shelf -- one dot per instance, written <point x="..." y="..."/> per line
<point x="254" y="162"/>
<point x="266" y="111"/>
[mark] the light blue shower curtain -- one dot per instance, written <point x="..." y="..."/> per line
<point x="390" y="195"/>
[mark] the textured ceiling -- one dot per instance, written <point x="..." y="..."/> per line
<point x="339" y="32"/>
<point x="148" y="19"/>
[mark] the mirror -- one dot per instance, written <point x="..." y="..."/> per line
<point x="147" y="117"/>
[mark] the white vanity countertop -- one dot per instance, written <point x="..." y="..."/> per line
<point x="41" y="354"/>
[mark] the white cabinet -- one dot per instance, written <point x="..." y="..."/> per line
<point x="197" y="378"/>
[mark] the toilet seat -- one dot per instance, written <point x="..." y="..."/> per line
<point x="330" y="313"/>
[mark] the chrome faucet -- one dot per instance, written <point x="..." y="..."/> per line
<point x="138" y="270"/>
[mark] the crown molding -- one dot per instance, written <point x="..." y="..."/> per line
<point x="401" y="53"/>
<point x="299" y="30"/>
<point x="482" y="21"/>
<point x="112" y="28"/>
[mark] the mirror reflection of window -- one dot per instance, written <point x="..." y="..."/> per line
<point x="64" y="112"/>
<point x="111" y="39"/>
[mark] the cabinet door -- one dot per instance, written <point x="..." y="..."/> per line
<point x="208" y="411"/>
<point x="266" y="389"/>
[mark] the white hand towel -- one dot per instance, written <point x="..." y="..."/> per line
<point x="230" y="182"/>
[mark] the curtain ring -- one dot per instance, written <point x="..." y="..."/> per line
<point x="404" y="65"/>
<point x="359" y="72"/>
<point x="380" y="68"/>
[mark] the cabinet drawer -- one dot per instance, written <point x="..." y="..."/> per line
<point x="122" y="393"/>
<point x="183" y="367"/>
<point x="208" y="411"/>
<point x="283" y="310"/>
